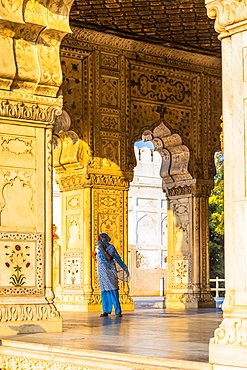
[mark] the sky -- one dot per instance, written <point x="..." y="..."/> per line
<point x="142" y="143"/>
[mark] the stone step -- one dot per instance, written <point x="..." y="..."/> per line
<point x="22" y="356"/>
<point x="155" y="302"/>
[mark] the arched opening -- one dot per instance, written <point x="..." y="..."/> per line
<point x="147" y="226"/>
<point x="187" y="282"/>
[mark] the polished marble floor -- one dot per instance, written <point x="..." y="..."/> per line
<point x="152" y="332"/>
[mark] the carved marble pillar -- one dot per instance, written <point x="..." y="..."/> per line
<point x="188" y="255"/>
<point x="30" y="76"/>
<point x="92" y="202"/>
<point x="228" y="348"/>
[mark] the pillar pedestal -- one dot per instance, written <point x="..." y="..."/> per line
<point x="188" y="255"/>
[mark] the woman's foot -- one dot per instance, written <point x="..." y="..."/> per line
<point x="119" y="315"/>
<point x="104" y="314"/>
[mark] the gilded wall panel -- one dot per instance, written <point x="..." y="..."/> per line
<point x="143" y="116"/>
<point x="72" y="88"/>
<point x="109" y="90"/>
<point x="110" y="152"/>
<point x="110" y="122"/>
<point x="159" y="85"/>
<point x="108" y="205"/>
<point x="109" y="61"/>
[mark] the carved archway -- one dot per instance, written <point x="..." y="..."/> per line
<point x="188" y="259"/>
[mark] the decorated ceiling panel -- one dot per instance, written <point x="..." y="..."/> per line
<point x="178" y="23"/>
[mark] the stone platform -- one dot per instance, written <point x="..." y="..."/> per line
<point x="144" y="339"/>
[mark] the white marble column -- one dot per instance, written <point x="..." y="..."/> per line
<point x="228" y="348"/>
<point x="30" y="77"/>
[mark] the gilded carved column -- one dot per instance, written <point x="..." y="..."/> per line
<point x="228" y="348"/>
<point x="30" y="77"/>
<point x="93" y="201"/>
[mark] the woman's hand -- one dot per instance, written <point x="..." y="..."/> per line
<point x="94" y="254"/>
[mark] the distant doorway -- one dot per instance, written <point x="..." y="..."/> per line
<point x="147" y="230"/>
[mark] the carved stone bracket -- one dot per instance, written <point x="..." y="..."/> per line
<point x="30" y="35"/>
<point x="231" y="331"/>
<point x="175" y="155"/>
<point x="230" y="16"/>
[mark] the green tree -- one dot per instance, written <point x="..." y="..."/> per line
<point x="216" y="221"/>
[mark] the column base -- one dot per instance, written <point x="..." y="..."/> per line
<point x="189" y="300"/>
<point x="228" y="348"/>
<point x="88" y="303"/>
<point x="26" y="319"/>
<point x="227" y="357"/>
<point x="31" y="326"/>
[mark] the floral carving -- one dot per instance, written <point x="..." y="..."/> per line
<point x="109" y="91"/>
<point x="73" y="270"/>
<point x="22" y="240"/>
<point x="109" y="61"/>
<point x="17" y="259"/>
<point x="181" y="271"/>
<point x="109" y="122"/>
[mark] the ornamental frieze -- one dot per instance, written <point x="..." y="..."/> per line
<point x="78" y="181"/>
<point x="179" y="190"/>
<point x="24" y="312"/>
<point x="28" y="112"/>
<point x="25" y="363"/>
<point x="171" y="55"/>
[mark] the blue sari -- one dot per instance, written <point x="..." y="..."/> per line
<point x="121" y="268"/>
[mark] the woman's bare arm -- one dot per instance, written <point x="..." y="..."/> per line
<point x="108" y="256"/>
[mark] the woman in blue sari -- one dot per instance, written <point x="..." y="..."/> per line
<point x="110" y="269"/>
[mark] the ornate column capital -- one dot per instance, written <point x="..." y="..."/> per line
<point x="230" y="16"/>
<point x="30" y="34"/>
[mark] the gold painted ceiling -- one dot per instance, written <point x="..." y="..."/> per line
<point x="177" y="23"/>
